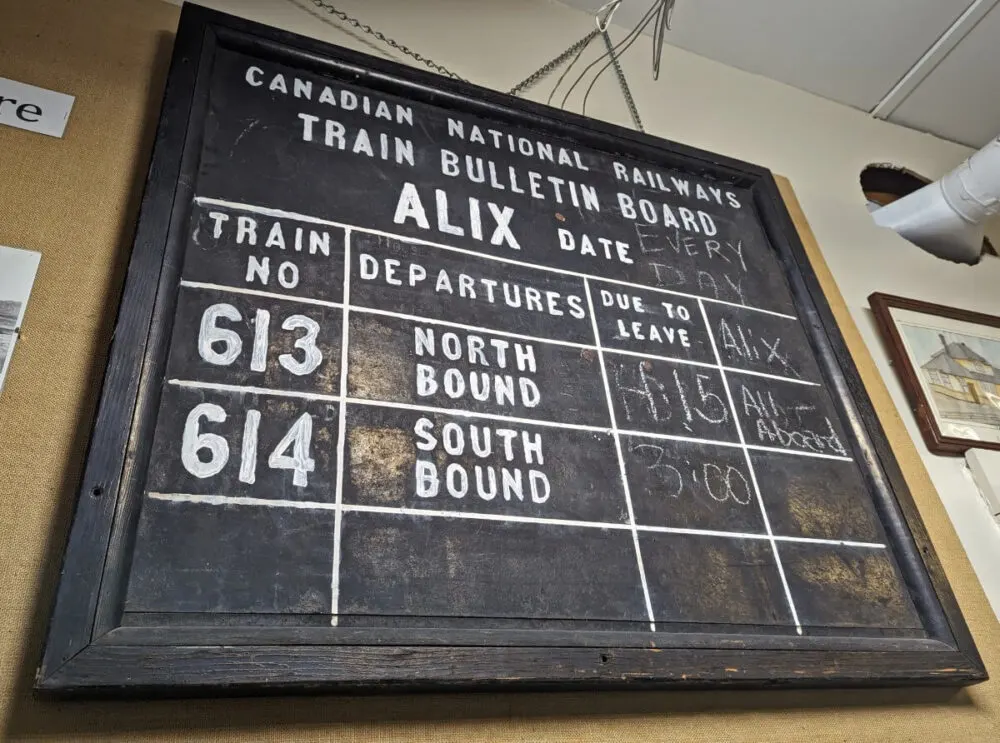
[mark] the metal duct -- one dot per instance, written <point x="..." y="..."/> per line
<point x="946" y="217"/>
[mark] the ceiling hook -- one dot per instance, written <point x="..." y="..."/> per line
<point x="607" y="11"/>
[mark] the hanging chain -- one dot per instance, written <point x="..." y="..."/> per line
<point x="528" y="82"/>
<point x="364" y="27"/>
<point x="551" y="65"/>
<point x="622" y="82"/>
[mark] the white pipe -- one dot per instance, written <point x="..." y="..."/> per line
<point x="946" y="217"/>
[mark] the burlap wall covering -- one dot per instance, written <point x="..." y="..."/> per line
<point x="75" y="200"/>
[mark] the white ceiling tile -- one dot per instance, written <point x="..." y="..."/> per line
<point x="851" y="51"/>
<point x="960" y="99"/>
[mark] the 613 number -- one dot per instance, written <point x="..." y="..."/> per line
<point x="210" y="335"/>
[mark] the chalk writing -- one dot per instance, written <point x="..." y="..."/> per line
<point x="720" y="482"/>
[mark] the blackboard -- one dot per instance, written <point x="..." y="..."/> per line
<point x="415" y="384"/>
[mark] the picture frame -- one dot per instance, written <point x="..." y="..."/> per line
<point x="98" y="645"/>
<point x="947" y="360"/>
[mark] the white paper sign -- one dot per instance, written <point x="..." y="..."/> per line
<point x="17" y="274"/>
<point x="34" y="109"/>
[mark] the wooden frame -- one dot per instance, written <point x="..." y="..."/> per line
<point x="938" y="441"/>
<point x="88" y="650"/>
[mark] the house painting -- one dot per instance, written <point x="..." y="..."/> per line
<point x="958" y="372"/>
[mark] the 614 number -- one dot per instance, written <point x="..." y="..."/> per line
<point x="291" y="453"/>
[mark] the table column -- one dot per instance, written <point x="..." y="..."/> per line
<point x="753" y="479"/>
<point x="701" y="535"/>
<point x="480" y="475"/>
<point x="826" y="535"/>
<point x="244" y="451"/>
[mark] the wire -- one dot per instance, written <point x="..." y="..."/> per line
<point x="662" y="26"/>
<point x="626" y="42"/>
<point x="632" y="35"/>
<point x="614" y="58"/>
<point x="575" y="51"/>
<point x="563" y="75"/>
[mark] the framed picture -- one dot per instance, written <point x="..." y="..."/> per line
<point x="949" y="362"/>
<point x="306" y="472"/>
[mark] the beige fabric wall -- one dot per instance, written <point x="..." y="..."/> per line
<point x="75" y="200"/>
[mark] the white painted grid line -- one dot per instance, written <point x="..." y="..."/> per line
<point x="258" y="293"/>
<point x="482" y="329"/>
<point x="240" y="388"/>
<point x="689" y="362"/>
<point x="465" y="326"/>
<point x="462" y="413"/>
<point x="240" y="500"/>
<point x="341" y="438"/>
<point x="795" y="452"/>
<point x="621" y="457"/>
<point x="655" y="357"/>
<point x="834" y="542"/>
<point x="733" y="370"/>
<point x="281" y="213"/>
<point x="405" y="511"/>
<point x="753" y="474"/>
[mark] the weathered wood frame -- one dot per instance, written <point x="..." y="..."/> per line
<point x="87" y="650"/>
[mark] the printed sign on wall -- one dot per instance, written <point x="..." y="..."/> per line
<point x="33" y="108"/>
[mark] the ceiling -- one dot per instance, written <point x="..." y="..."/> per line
<point x="933" y="65"/>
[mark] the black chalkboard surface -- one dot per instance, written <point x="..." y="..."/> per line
<point x="415" y="384"/>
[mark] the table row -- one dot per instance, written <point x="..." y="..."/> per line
<point x="230" y="242"/>
<point x="267" y="343"/>
<point x="432" y="282"/>
<point x="237" y="444"/>
<point x="237" y="558"/>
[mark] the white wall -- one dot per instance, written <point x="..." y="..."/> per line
<point x="819" y="145"/>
